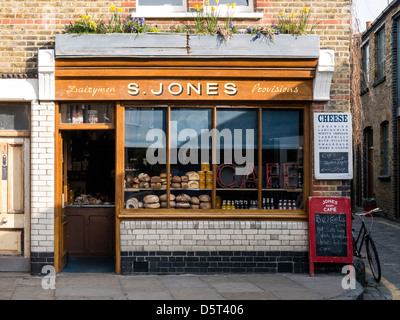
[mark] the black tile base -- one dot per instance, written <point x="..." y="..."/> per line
<point x="162" y="262"/>
<point x="39" y="260"/>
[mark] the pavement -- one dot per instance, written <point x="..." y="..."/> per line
<point x="109" y="286"/>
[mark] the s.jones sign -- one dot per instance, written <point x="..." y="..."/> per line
<point x="182" y="90"/>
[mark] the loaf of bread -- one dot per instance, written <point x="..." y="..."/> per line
<point x="176" y="179"/>
<point x="183" y="205"/>
<point x="175" y="185"/>
<point x="194" y="206"/>
<point x="182" y="197"/>
<point x="204" y="198"/>
<point x="152" y="205"/>
<point x="184" y="185"/>
<point x="172" y="204"/>
<point x="205" y="205"/>
<point x="193" y="176"/>
<point x="163" y="197"/>
<point x="144" y="177"/>
<point x="184" y="178"/>
<point x="144" y="185"/>
<point x="155" y="185"/>
<point x="155" y="179"/>
<point x="193" y="184"/>
<point x="194" y="200"/>
<point x="132" y="203"/>
<point x="151" y="198"/>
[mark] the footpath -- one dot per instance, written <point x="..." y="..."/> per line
<point x="108" y="286"/>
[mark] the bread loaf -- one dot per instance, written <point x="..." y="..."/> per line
<point x="152" y="205"/>
<point x="184" y="185"/>
<point x="175" y="185"/>
<point x="151" y="198"/>
<point x="205" y="205"/>
<point x="183" y="205"/>
<point x="193" y="176"/>
<point x="194" y="206"/>
<point x="163" y="197"/>
<point x="155" y="179"/>
<point x="193" y="184"/>
<point x="144" y="177"/>
<point x="176" y="179"/>
<point x="204" y="198"/>
<point x="132" y="203"/>
<point x="144" y="185"/>
<point x="182" y="197"/>
<point x="194" y="200"/>
<point x="172" y="204"/>
<point x="184" y="179"/>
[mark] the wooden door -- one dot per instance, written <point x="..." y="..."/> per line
<point x="14" y="197"/>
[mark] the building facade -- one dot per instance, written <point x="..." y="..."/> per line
<point x="80" y="178"/>
<point x="377" y="173"/>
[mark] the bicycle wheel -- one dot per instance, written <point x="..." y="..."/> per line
<point x="373" y="258"/>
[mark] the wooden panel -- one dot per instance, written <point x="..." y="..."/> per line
<point x="3" y="183"/>
<point x="10" y="242"/>
<point x="15" y="178"/>
<point x="192" y="90"/>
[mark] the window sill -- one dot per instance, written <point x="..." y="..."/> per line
<point x="190" y="15"/>
<point x="173" y="214"/>
<point x="378" y="82"/>
<point x="384" y="178"/>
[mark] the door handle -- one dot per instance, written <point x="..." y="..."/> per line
<point x="4" y="221"/>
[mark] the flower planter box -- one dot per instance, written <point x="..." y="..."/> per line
<point x="183" y="45"/>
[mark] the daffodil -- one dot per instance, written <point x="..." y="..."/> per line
<point x="217" y="1"/>
<point x="112" y="8"/>
<point x="85" y="17"/>
<point x="234" y="5"/>
<point x="228" y="5"/>
<point x="212" y="8"/>
<point x="120" y="9"/>
<point x="196" y="6"/>
<point x="282" y="13"/>
<point x="306" y="9"/>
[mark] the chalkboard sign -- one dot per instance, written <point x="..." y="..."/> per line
<point x="329" y="229"/>
<point x="330" y="235"/>
<point x="334" y="162"/>
<point x="333" y="155"/>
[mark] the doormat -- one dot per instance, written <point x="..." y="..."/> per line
<point x="90" y="265"/>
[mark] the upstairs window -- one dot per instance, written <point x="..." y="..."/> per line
<point x="231" y="6"/>
<point x="380" y="55"/>
<point x="365" y="68"/>
<point x="148" y="6"/>
<point x="385" y="149"/>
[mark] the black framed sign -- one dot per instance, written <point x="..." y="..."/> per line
<point x="333" y="156"/>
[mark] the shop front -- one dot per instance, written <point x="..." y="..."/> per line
<point x="177" y="161"/>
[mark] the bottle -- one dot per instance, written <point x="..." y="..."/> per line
<point x="280" y="204"/>
<point x="289" y="205"/>
<point x="233" y="205"/>
<point x="294" y="205"/>
<point x="272" y="205"/>
<point x="224" y="205"/>
<point x="264" y="204"/>
<point x="228" y="205"/>
<point x="284" y="205"/>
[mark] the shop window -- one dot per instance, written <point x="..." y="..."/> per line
<point x="214" y="158"/>
<point x="149" y="6"/>
<point x="282" y="158"/>
<point x="380" y="55"/>
<point x="241" y="5"/>
<point x="14" y="117"/>
<point x="94" y="113"/>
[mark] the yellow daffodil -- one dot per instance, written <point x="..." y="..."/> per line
<point x="112" y="8"/>
<point x="217" y="1"/>
<point x="293" y="14"/>
<point x="202" y="6"/>
<point x="233" y="5"/>
<point x="301" y="11"/>
<point x="196" y="6"/>
<point x="208" y="2"/>
<point x="306" y="9"/>
<point x="282" y="13"/>
<point x="85" y="17"/>
<point x="212" y="8"/>
<point x="228" y="5"/>
<point x="120" y="9"/>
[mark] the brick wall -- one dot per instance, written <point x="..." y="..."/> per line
<point x="377" y="104"/>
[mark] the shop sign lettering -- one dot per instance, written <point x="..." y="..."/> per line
<point x="145" y="89"/>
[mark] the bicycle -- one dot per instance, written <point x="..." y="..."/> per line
<point x="364" y="235"/>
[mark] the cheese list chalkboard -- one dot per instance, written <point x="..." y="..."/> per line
<point x="329" y="229"/>
<point x="333" y="156"/>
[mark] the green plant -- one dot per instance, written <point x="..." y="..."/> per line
<point x="211" y="17"/>
<point x="295" y="24"/>
<point x="116" y="23"/>
<point x="85" y="24"/>
<point x="199" y="18"/>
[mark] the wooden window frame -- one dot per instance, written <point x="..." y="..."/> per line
<point x="17" y="133"/>
<point x="207" y="214"/>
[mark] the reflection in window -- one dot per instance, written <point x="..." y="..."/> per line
<point x="282" y="156"/>
<point x="14" y="117"/>
<point x="237" y="168"/>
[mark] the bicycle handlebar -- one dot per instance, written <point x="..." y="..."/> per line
<point x="364" y="213"/>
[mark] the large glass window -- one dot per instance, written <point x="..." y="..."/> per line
<point x="216" y="158"/>
<point x="282" y="156"/>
